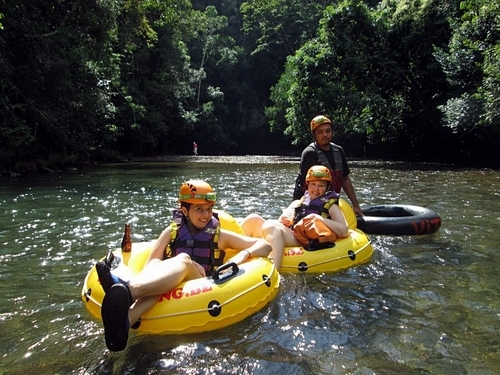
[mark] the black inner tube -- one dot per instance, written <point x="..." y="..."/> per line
<point x="396" y="219"/>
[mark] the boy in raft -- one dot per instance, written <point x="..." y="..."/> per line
<point x="184" y="251"/>
<point x="317" y="206"/>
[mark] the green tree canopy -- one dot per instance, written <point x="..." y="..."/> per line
<point x="411" y="79"/>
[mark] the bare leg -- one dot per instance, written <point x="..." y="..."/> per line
<point x="252" y="225"/>
<point x="278" y="236"/>
<point x="140" y="307"/>
<point x="160" y="276"/>
<point x="157" y="277"/>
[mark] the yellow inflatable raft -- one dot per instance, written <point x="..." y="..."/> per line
<point x="229" y="296"/>
<point x="347" y="252"/>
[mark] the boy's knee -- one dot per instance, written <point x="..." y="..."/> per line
<point x="253" y="217"/>
<point x="183" y="257"/>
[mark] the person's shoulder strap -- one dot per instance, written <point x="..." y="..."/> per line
<point x="337" y="156"/>
<point x="330" y="198"/>
<point x="311" y="147"/>
<point x="322" y="159"/>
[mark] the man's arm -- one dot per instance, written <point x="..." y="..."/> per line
<point x="349" y="190"/>
<point x="347" y="185"/>
<point x="298" y="191"/>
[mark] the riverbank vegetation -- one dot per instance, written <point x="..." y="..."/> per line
<point x="86" y="81"/>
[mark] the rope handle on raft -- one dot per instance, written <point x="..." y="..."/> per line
<point x="222" y="274"/>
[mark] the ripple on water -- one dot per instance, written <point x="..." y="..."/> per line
<point x="423" y="304"/>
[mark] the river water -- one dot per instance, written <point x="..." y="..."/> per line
<point x="422" y="305"/>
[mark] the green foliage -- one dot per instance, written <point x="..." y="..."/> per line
<point x="54" y="59"/>
<point x="472" y="64"/>
<point x="336" y="73"/>
<point x="415" y="30"/>
<point x="97" y="79"/>
<point x="281" y="24"/>
<point x="153" y="82"/>
<point x="372" y="71"/>
<point x="276" y="29"/>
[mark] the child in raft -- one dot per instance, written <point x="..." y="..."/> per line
<point x="315" y="202"/>
<point x="191" y="257"/>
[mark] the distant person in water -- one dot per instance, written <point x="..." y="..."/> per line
<point x="195" y="149"/>
<point x="189" y="255"/>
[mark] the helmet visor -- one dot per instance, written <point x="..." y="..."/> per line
<point x="210" y="197"/>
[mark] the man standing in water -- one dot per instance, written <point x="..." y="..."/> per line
<point x="195" y="149"/>
<point x="323" y="151"/>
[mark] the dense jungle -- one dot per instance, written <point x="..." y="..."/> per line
<point x="97" y="81"/>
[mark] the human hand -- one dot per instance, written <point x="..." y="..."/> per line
<point x="286" y="218"/>
<point x="200" y="269"/>
<point x="285" y="221"/>
<point x="241" y="257"/>
<point x="358" y="211"/>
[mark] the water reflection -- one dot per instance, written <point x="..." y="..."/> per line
<point x="425" y="304"/>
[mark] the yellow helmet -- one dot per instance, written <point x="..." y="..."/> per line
<point x="197" y="191"/>
<point x="319" y="120"/>
<point x="318" y="173"/>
